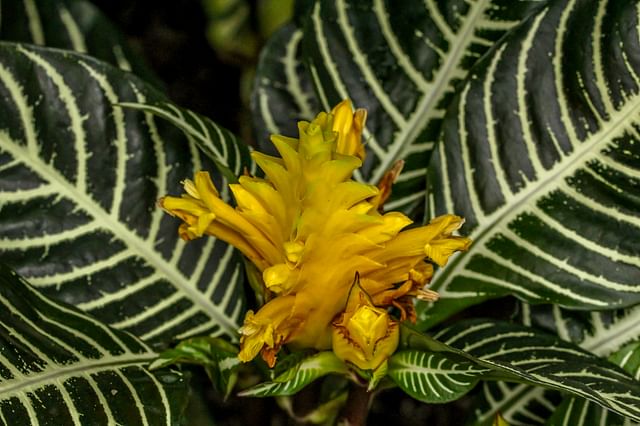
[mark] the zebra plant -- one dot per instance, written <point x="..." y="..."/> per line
<point x="520" y="117"/>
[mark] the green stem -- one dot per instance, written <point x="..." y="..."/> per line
<point x="356" y="408"/>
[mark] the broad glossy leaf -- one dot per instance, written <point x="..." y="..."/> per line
<point x="299" y="375"/>
<point x="402" y="63"/>
<point x="544" y="360"/>
<point x="230" y="155"/>
<point x="433" y="377"/>
<point x="73" y="25"/>
<point x="541" y="154"/>
<point x="582" y="412"/>
<point x="519" y="404"/>
<point x="58" y="364"/>
<point x="599" y="332"/>
<point x="283" y="91"/>
<point x="79" y="180"/>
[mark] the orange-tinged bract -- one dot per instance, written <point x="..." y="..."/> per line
<point x="309" y="228"/>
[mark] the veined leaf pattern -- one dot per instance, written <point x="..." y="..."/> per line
<point x="73" y="25"/>
<point x="283" y="91"/>
<point x="401" y="63"/>
<point x="79" y="180"/>
<point x="545" y="360"/>
<point x="221" y="146"/>
<point x="432" y="377"/>
<point x="57" y="363"/>
<point x="299" y="375"/>
<point x="540" y="153"/>
<point x="599" y="332"/>
<point x="582" y="412"/>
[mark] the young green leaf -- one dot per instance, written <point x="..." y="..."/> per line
<point x="218" y="357"/>
<point x="599" y="332"/>
<point x="582" y="412"/>
<point x="299" y="376"/>
<point x="433" y="377"/>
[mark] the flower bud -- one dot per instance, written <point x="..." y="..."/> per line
<point x="365" y="337"/>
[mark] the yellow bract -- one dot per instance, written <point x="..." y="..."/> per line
<point x="364" y="335"/>
<point x="309" y="228"/>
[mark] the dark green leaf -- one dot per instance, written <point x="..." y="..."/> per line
<point x="282" y="92"/>
<point x="230" y="156"/>
<point x="58" y="363"/>
<point x="79" y="180"/>
<point x="541" y="154"/>
<point x="532" y="357"/>
<point x="402" y="63"/>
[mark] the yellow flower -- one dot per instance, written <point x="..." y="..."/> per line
<point x="364" y="335"/>
<point x="309" y="228"/>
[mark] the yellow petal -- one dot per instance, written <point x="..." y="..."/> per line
<point x="278" y="278"/>
<point x="441" y="249"/>
<point x="206" y="189"/>
<point x="391" y="224"/>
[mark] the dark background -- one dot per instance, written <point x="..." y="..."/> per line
<point x="170" y="35"/>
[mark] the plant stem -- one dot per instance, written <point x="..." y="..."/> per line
<point x="355" y="411"/>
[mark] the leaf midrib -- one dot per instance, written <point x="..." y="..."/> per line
<point x="40" y="379"/>
<point x="429" y="101"/>
<point x="138" y="246"/>
<point x="599" y="343"/>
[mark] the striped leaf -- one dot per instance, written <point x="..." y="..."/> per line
<point x="229" y="155"/>
<point x="433" y="377"/>
<point x="73" y="25"/>
<point x="58" y="365"/>
<point x="541" y="154"/>
<point x="519" y="404"/>
<point x="533" y="357"/>
<point x="79" y="180"/>
<point x="402" y="63"/>
<point x="299" y="375"/>
<point x="283" y="91"/>
<point x="577" y="411"/>
<point x="600" y="333"/>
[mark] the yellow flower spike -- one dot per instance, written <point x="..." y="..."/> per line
<point x="310" y="228"/>
<point x="365" y="335"/>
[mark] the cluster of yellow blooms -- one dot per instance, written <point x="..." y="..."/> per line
<point x="310" y="229"/>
